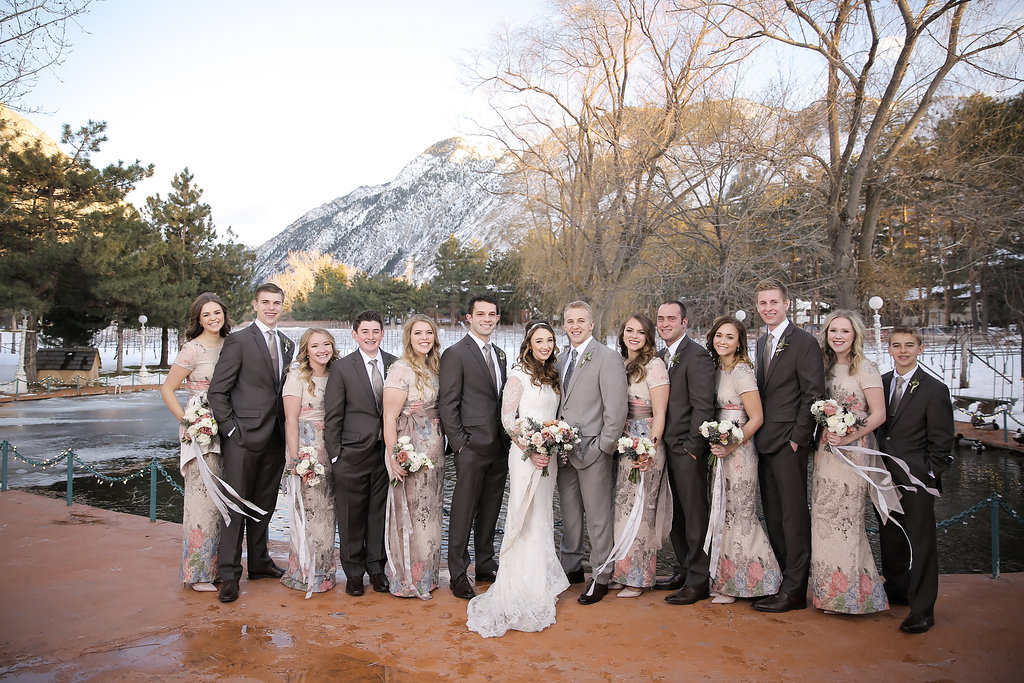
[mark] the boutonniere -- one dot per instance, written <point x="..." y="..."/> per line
<point x="783" y="343"/>
<point x="586" y="357"/>
<point x="501" y="354"/>
<point x="913" y="384"/>
<point x="675" y="360"/>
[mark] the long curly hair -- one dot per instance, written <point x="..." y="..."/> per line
<point x="856" y="348"/>
<point x="540" y="373"/>
<point x="636" y="369"/>
<point x="195" y="327"/>
<point x="301" y="362"/>
<point x="424" y="369"/>
<point x="741" y="355"/>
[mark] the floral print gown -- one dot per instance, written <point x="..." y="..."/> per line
<point x="414" y="518"/>
<point x="201" y="521"/>
<point x="844" y="577"/>
<point x="638" y="568"/>
<point x="317" y="500"/>
<point x="747" y="567"/>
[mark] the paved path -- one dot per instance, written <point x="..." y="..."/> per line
<point x="89" y="594"/>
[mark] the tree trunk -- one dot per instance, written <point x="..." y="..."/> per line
<point x="120" y="348"/>
<point x="31" y="346"/>
<point x="163" y="348"/>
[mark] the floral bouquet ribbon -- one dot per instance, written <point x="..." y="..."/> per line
<point x="308" y="471"/>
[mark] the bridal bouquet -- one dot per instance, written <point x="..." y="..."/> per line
<point x="308" y="467"/>
<point x="835" y="416"/>
<point x="640" y="450"/>
<point x="720" y="434"/>
<point x="408" y="459"/>
<point x="200" y="425"/>
<point x="552" y="438"/>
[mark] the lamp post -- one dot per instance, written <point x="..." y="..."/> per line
<point x="143" y="372"/>
<point x="875" y="303"/>
<point x="20" y="376"/>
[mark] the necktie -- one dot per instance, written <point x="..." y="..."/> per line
<point x="490" y="364"/>
<point x="766" y="356"/>
<point x="272" y="345"/>
<point x="570" y="368"/>
<point x="896" y="395"/>
<point x="377" y="382"/>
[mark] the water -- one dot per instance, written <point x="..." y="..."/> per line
<point x="120" y="434"/>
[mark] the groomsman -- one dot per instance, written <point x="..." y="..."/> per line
<point x="469" y="403"/>
<point x="790" y="377"/>
<point x="918" y="430"/>
<point x="691" y="402"/>
<point x="245" y="396"/>
<point x="353" y="438"/>
<point x="594" y="399"/>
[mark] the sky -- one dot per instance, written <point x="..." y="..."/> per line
<point x="274" y="107"/>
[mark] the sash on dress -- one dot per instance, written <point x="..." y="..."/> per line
<point x="716" y="518"/>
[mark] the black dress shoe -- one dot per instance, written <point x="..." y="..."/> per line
<point x="576" y="576"/>
<point x="271" y="572"/>
<point x="354" y="586"/>
<point x="780" y="602"/>
<point x="687" y="595"/>
<point x="379" y="583"/>
<point x="915" y="623"/>
<point x="594" y="593"/>
<point x="462" y="588"/>
<point x="228" y="591"/>
<point x="672" y="583"/>
<point x="487" y="577"/>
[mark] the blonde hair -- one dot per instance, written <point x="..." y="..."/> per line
<point x="424" y="369"/>
<point x="856" y="348"/>
<point x="302" y="355"/>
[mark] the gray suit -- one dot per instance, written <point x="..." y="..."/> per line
<point x="595" y="401"/>
<point x="245" y="395"/>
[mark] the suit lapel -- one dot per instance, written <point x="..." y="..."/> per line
<point x="364" y="376"/>
<point x="479" y="355"/>
<point x="908" y="393"/>
<point x="779" y="349"/>
<point x="264" y="347"/>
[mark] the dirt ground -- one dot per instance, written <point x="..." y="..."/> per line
<point x="89" y="594"/>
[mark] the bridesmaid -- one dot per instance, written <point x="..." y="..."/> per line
<point x="413" y="532"/>
<point x="746" y="566"/>
<point x="648" y="401"/>
<point x="208" y="324"/>
<point x="313" y="526"/>
<point x="844" y="578"/>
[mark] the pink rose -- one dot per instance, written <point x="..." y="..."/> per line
<point x="755" y="575"/>
<point x="829" y="409"/>
<point x="839" y="584"/>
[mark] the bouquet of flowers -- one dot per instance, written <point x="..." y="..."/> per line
<point x="720" y="434"/>
<point x="640" y="450"/>
<point x="408" y="459"/>
<point x="835" y="416"/>
<point x="200" y="425"/>
<point x="553" y="438"/>
<point x="308" y="467"/>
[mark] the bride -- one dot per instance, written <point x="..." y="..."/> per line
<point x="523" y="596"/>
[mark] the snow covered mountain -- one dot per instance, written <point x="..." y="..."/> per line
<point x="448" y="189"/>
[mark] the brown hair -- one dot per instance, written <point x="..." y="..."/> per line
<point x="540" y="373"/>
<point x="302" y="355"/>
<point x="195" y="328"/>
<point x="772" y="283"/>
<point x="268" y="287"/>
<point x="906" y="329"/>
<point x="741" y="355"/>
<point x="636" y="369"/>
<point x="422" y="369"/>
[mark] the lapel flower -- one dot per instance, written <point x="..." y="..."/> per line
<point x="675" y="360"/>
<point x="783" y="343"/>
<point x="913" y="384"/>
<point x="586" y="357"/>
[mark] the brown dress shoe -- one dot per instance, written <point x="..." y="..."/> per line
<point x="672" y="583"/>
<point x="354" y="586"/>
<point x="687" y="595"/>
<point x="379" y="583"/>
<point x="462" y="588"/>
<point x="780" y="602"/>
<point x="595" y="593"/>
<point x="228" y="591"/>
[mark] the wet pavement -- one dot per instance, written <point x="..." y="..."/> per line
<point x="90" y="594"/>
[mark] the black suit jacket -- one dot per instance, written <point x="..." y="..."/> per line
<point x="691" y="398"/>
<point x="352" y="420"/>
<point x="795" y="380"/>
<point x="920" y="431"/>
<point x="245" y="391"/>
<point x="468" y="402"/>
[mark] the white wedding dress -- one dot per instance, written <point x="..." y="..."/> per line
<point x="530" y="577"/>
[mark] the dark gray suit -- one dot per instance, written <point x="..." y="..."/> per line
<point x="245" y="395"/>
<point x="352" y="436"/>
<point x="469" y="405"/>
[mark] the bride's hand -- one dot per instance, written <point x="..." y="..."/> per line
<point x="540" y="461"/>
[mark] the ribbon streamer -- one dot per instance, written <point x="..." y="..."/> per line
<point x="716" y="521"/>
<point x="300" y="533"/>
<point x="629" y="532"/>
<point x="398" y="508"/>
<point x="224" y="499"/>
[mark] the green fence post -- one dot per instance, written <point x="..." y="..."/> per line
<point x="71" y="475"/>
<point x="152" y="490"/>
<point x="78" y="384"/>
<point x="3" y="478"/>
<point x="994" y="509"/>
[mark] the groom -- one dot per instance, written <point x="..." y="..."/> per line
<point x="245" y="396"/>
<point x="594" y="400"/>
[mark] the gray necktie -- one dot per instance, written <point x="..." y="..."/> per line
<point x="766" y="357"/>
<point x="570" y="368"/>
<point x="896" y="395"/>
<point x="377" y="382"/>
<point x="272" y="345"/>
<point x="490" y="364"/>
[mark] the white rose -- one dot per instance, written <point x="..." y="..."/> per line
<point x="850" y="419"/>
<point x="725" y="425"/>
<point x="841" y="429"/>
<point x="404" y="440"/>
<point x="302" y="467"/>
<point x="203" y="439"/>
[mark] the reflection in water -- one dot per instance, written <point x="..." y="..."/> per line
<point x="119" y="434"/>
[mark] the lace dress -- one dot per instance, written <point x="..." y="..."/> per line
<point x="530" y="577"/>
<point x="320" y="521"/>
<point x="638" y="568"/>
<point x="414" y="513"/>
<point x="201" y="520"/>
<point x="844" y="577"/>
<point x="746" y="566"/>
